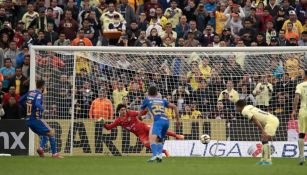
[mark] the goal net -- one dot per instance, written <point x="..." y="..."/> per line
<point x="203" y="82"/>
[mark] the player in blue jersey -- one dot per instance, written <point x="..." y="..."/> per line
<point x="156" y="106"/>
<point x="33" y="101"/>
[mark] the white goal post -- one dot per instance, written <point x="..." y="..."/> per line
<point x="203" y="82"/>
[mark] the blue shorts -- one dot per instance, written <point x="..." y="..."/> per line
<point x="40" y="127"/>
<point x="160" y="128"/>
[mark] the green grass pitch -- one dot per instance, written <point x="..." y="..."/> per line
<point x="20" y="165"/>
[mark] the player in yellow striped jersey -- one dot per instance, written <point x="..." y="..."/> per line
<point x="266" y="122"/>
<point x="301" y="95"/>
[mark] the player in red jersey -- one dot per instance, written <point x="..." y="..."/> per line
<point x="128" y="120"/>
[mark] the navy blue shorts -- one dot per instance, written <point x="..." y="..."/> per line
<point x="40" y="127"/>
<point x="160" y="128"/>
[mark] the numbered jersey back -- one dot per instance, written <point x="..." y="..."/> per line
<point x="33" y="99"/>
<point x="156" y="106"/>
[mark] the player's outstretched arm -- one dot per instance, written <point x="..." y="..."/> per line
<point x="295" y="104"/>
<point x="112" y="125"/>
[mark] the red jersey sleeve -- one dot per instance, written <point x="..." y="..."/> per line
<point x="112" y="125"/>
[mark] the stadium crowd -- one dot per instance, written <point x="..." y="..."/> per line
<point x="202" y="86"/>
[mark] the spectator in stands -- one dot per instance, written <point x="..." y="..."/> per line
<point x="155" y="39"/>
<point x="193" y="29"/>
<point x="81" y="38"/>
<point x="25" y="67"/>
<point x="205" y="68"/>
<point x="84" y="98"/>
<point x="189" y="10"/>
<point x="234" y="22"/>
<point x="12" y="52"/>
<point x="2" y="113"/>
<point x="282" y="41"/>
<point x="136" y="87"/>
<point x="296" y="28"/>
<point x="72" y="7"/>
<point x="133" y="33"/>
<point x="50" y="34"/>
<point x="270" y="32"/>
<point x="232" y="70"/>
<point x="40" y="40"/>
<point x="247" y="8"/>
<point x="126" y="11"/>
<point x="9" y="94"/>
<point x="180" y="42"/>
<point x="290" y="33"/>
<point x="247" y="95"/>
<point x="173" y="13"/>
<point x="30" y="15"/>
<point x="220" y="18"/>
<point x="182" y="27"/>
<point x="247" y="33"/>
<point x="187" y="113"/>
<point x="191" y="42"/>
<point x="8" y="71"/>
<point x="117" y="24"/>
<point x="119" y="91"/>
<point x="169" y="33"/>
<point x="40" y="23"/>
<point x="62" y="41"/>
<point x="303" y="40"/>
<point x="281" y="107"/>
<point x="169" y="112"/>
<point x="108" y="16"/>
<point x="162" y="20"/>
<point x="4" y="42"/>
<point x="202" y="17"/>
<point x="57" y="12"/>
<point x="233" y="94"/>
<point x="28" y="40"/>
<point x="63" y="91"/>
<point x="21" y="56"/>
<point x="69" y="26"/>
<point x="150" y="8"/>
<point x="12" y="109"/>
<point x="208" y="35"/>
<point x="154" y="25"/>
<point x="20" y="82"/>
<point x="260" y="39"/>
<point x="136" y="103"/>
<point x="101" y="107"/>
<point x="142" y="40"/>
<point x="293" y="65"/>
<point x="200" y="97"/>
<point x="279" y="19"/>
<point x="263" y="92"/>
<point x="220" y="112"/>
<point x="181" y="96"/>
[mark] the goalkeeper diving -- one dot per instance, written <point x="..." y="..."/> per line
<point x="128" y="120"/>
<point x="266" y="122"/>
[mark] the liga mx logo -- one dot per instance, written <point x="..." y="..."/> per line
<point x="255" y="150"/>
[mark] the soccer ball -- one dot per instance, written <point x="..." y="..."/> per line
<point x="205" y="139"/>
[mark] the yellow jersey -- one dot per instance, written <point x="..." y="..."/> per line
<point x="205" y="71"/>
<point x="301" y="89"/>
<point x="233" y="95"/>
<point x="263" y="117"/>
<point x="297" y="27"/>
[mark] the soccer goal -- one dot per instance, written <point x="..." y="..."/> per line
<point x="204" y="83"/>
